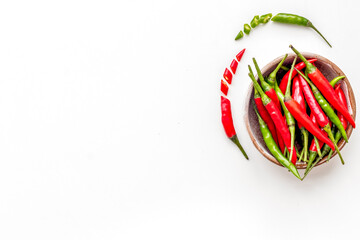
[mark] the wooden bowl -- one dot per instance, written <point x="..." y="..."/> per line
<point x="330" y="71"/>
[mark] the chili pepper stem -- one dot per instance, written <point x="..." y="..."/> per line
<point x="318" y="150"/>
<point x="305" y="134"/>
<point x="309" y="66"/>
<point x="301" y="154"/>
<point x="237" y="143"/>
<point x="331" y="136"/>
<point x="272" y="76"/>
<point x="313" y="27"/>
<point x="285" y="68"/>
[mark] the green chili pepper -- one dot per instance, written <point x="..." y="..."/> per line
<point x="335" y="80"/>
<point x="273" y="148"/>
<point x="255" y="21"/>
<point x="298" y="20"/>
<point x="265" y="18"/>
<point x="240" y="35"/>
<point x="247" y="29"/>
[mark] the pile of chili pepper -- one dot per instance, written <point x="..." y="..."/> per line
<point x="226" y="115"/>
<point x="300" y="103"/>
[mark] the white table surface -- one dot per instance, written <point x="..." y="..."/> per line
<point x="110" y="123"/>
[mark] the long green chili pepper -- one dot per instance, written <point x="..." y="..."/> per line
<point x="272" y="76"/>
<point x="255" y="21"/>
<point x="247" y="29"/>
<point x="324" y="104"/>
<point x="329" y="112"/>
<point x="273" y="148"/>
<point x="335" y="80"/>
<point x="290" y="120"/>
<point x="265" y="18"/>
<point x="298" y="20"/>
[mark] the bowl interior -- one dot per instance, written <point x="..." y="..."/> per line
<point x="330" y="71"/>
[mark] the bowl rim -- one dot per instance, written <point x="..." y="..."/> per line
<point x="351" y="99"/>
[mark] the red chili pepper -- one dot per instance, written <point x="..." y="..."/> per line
<point x="324" y="87"/>
<point x="313" y="104"/>
<point x="224" y="87"/>
<point x="295" y="110"/>
<point x="265" y="115"/>
<point x="240" y="54"/>
<point x="227" y="121"/>
<point x="228" y="75"/>
<point x="285" y="78"/>
<point x="298" y="96"/>
<point x="342" y="99"/>
<point x="233" y="66"/>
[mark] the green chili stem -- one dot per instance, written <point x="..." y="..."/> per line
<point x="272" y="76"/>
<point x="318" y="150"/>
<point x="237" y="143"/>
<point x="313" y="27"/>
<point x="285" y="68"/>
<point x="331" y="136"/>
<point x="337" y="138"/>
<point x="306" y="141"/>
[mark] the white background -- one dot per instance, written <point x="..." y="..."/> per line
<point x="110" y="123"/>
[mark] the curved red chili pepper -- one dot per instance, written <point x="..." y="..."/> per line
<point x="298" y="96"/>
<point x="240" y="54"/>
<point x="321" y="117"/>
<point x="329" y="93"/>
<point x="224" y="87"/>
<point x="228" y="75"/>
<point x="265" y="116"/>
<point x="295" y="110"/>
<point x="342" y="99"/>
<point x="285" y="79"/>
<point x="227" y="121"/>
<point x="233" y="66"/>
